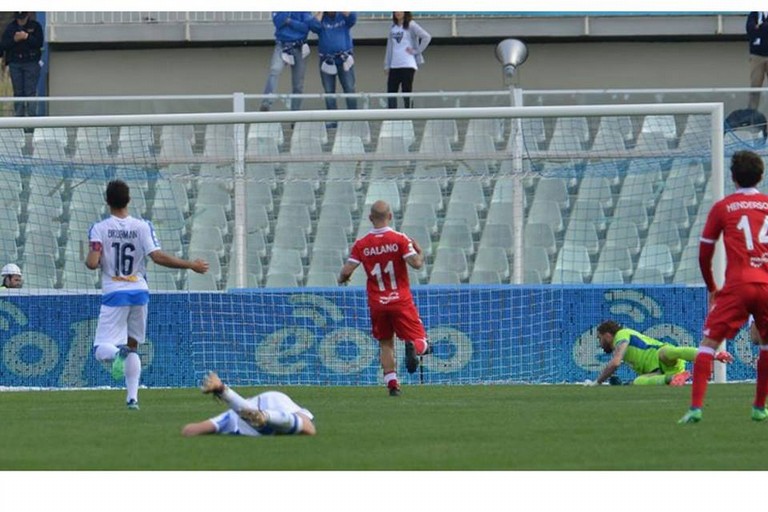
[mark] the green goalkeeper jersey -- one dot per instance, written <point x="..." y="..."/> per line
<point x="642" y="353"/>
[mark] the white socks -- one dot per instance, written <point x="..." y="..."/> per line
<point x="284" y="422"/>
<point x="132" y="374"/>
<point x="106" y="352"/>
<point x="235" y="401"/>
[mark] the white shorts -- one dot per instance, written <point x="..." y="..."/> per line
<point x="278" y="401"/>
<point x="117" y="324"/>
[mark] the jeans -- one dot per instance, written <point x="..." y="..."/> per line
<point x="347" y="81"/>
<point x="24" y="78"/>
<point x="276" y="66"/>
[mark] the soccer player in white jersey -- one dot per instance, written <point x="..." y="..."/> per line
<point x="119" y="246"/>
<point x="269" y="413"/>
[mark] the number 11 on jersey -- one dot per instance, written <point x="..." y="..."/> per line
<point x="389" y="269"/>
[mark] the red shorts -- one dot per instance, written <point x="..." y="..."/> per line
<point x="732" y="307"/>
<point x="402" y="320"/>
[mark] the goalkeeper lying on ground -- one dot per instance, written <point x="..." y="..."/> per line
<point x="654" y="361"/>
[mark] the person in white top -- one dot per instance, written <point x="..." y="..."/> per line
<point x="11" y="276"/>
<point x="269" y="413"/>
<point x="405" y="47"/>
<point x="119" y="246"/>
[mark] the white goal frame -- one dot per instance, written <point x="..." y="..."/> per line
<point x="240" y="118"/>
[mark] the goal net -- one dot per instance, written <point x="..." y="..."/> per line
<point x="528" y="218"/>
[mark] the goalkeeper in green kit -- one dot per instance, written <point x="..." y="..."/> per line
<point x="654" y="361"/>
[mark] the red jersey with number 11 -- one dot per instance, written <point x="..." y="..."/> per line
<point x="382" y="254"/>
<point x="742" y="218"/>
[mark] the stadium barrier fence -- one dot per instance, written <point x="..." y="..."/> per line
<point x="321" y="336"/>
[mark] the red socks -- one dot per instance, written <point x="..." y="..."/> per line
<point x="702" y="370"/>
<point x="761" y="388"/>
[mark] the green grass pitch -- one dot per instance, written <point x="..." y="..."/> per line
<point x="428" y="428"/>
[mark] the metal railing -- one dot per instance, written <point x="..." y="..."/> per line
<point x="138" y="17"/>
<point x="732" y="98"/>
<point x="123" y="17"/>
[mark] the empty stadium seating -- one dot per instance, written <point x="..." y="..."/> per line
<point x="612" y="220"/>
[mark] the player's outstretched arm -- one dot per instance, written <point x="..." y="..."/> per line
<point x="166" y="260"/>
<point x="198" y="429"/>
<point x="613" y="364"/>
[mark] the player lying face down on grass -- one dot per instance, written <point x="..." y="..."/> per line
<point x="385" y="255"/>
<point x="268" y="413"/>
<point x="654" y="361"/>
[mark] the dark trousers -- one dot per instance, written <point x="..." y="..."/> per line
<point x="400" y="77"/>
<point x="24" y="78"/>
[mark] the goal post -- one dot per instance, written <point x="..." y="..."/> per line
<point x="275" y="199"/>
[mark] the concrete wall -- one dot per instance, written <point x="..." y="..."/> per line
<point x="464" y="67"/>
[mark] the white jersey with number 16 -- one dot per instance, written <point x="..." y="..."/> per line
<point x="125" y="243"/>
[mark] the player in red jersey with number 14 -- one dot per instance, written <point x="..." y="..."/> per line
<point x="742" y="220"/>
<point x="385" y="255"/>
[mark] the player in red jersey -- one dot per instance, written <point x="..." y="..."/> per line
<point x="742" y="220"/>
<point x="385" y="255"/>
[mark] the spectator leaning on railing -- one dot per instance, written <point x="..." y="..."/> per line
<point x="336" y="53"/>
<point x="291" y="48"/>
<point x="757" y="31"/>
<point x="22" y="42"/>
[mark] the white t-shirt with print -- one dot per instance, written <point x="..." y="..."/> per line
<point x="401" y="41"/>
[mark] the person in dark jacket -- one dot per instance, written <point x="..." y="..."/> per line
<point x="757" y="32"/>
<point x="335" y="48"/>
<point x="22" y="41"/>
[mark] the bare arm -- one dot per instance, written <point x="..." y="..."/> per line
<point x="346" y="272"/>
<point x="93" y="260"/>
<point x="613" y="364"/>
<point x="166" y="260"/>
<point x="415" y="260"/>
<point x="198" y="429"/>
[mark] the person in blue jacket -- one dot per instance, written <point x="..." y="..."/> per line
<point x="23" y="42"/>
<point x="291" y="48"/>
<point x="757" y="32"/>
<point x="336" y="53"/>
